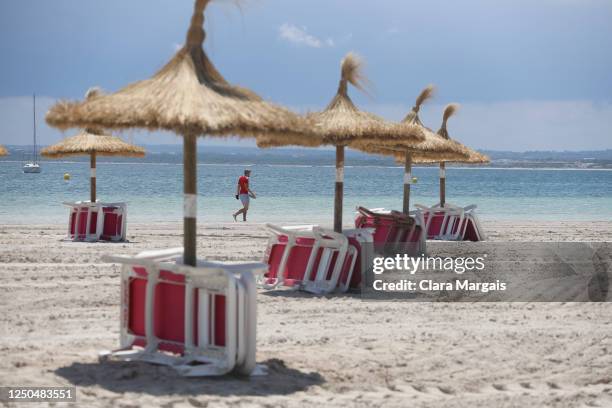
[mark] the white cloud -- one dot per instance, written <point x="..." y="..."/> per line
<point x="300" y="36"/>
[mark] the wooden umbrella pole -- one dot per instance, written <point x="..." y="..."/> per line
<point x="407" y="182"/>
<point x="442" y="184"/>
<point x="339" y="188"/>
<point x="190" y="206"/>
<point x="92" y="177"/>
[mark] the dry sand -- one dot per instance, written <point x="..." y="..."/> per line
<point x="59" y="307"/>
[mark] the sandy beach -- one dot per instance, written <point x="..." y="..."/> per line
<point x="60" y="307"/>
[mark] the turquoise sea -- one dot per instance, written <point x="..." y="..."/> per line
<point x="300" y="192"/>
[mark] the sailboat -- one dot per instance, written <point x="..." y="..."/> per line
<point x="33" y="166"/>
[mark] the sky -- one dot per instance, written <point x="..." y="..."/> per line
<point x="529" y="75"/>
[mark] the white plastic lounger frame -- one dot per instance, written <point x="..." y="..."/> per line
<point x="470" y="214"/>
<point x="122" y="210"/>
<point x="96" y="208"/>
<point x="467" y="213"/>
<point x="419" y="221"/>
<point x="352" y="253"/>
<point x="235" y="282"/>
<point x="383" y="211"/>
<point x="330" y="241"/>
<point x="91" y="208"/>
<point x="452" y="216"/>
<point x="366" y="241"/>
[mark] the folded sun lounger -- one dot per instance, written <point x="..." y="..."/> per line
<point x="414" y="238"/>
<point x="97" y="221"/>
<point x="114" y="223"/>
<point x="199" y="320"/>
<point x="394" y="232"/>
<point x="309" y="258"/>
<point x="83" y="221"/>
<point x="452" y="223"/>
<point x="361" y="240"/>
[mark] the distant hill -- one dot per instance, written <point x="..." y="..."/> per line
<point x="325" y="156"/>
<point x="551" y="155"/>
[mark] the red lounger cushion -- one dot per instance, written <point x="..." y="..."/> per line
<point x="470" y="231"/>
<point x="296" y="263"/>
<point x="356" y="276"/>
<point x="435" y="226"/>
<point x="169" y="311"/>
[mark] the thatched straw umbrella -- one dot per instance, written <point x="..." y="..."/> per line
<point x="434" y="147"/>
<point x="3" y="151"/>
<point x="462" y="153"/>
<point x="472" y="156"/>
<point x="342" y="123"/>
<point x="187" y="96"/>
<point x="93" y="143"/>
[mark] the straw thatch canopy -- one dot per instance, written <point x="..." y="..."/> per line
<point x="187" y="96"/>
<point x="190" y="97"/>
<point x="341" y="122"/>
<point x="268" y="141"/>
<point x="432" y="148"/>
<point x="413" y="116"/>
<point x="92" y="141"/>
<point x="468" y="155"/>
<point x="3" y="151"/>
<point x="472" y="156"/>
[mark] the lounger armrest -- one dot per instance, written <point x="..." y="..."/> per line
<point x="161" y="253"/>
<point x="144" y="256"/>
<point x="379" y="210"/>
<point x="291" y="233"/>
<point x="275" y="229"/>
<point x="308" y="227"/>
<point x="366" y="212"/>
<point x="358" y="230"/>
<point x="112" y="204"/>
<point x="453" y="206"/>
<point x="79" y="204"/>
<point x="257" y="268"/>
<point x="470" y="207"/>
<point x="422" y="207"/>
<point x="322" y="233"/>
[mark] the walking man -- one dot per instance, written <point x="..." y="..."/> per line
<point x="244" y="193"/>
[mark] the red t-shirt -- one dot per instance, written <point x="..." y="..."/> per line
<point x="243" y="182"/>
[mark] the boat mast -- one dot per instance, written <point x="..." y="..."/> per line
<point x="34" y="111"/>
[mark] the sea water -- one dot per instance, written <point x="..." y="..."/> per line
<point x="300" y="193"/>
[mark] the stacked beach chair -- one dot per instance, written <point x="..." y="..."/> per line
<point x="97" y="221"/>
<point x="199" y="320"/>
<point x="452" y="223"/>
<point x="310" y="258"/>
<point x="394" y="232"/>
<point x="321" y="261"/>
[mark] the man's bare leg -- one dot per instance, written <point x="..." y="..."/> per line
<point x="237" y="213"/>
<point x="242" y="211"/>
